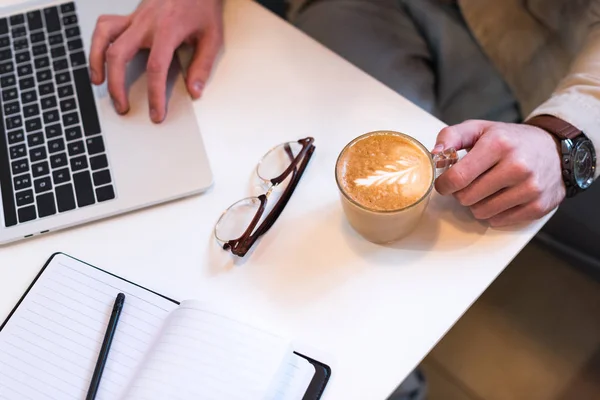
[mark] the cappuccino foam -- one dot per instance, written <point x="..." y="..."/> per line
<point x="385" y="172"/>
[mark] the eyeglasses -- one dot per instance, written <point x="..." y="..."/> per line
<point x="242" y="224"/>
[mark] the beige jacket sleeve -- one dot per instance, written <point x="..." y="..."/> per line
<point x="577" y="97"/>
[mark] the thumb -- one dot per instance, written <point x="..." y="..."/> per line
<point x="207" y="48"/>
<point x="461" y="136"/>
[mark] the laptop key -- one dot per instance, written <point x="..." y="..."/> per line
<point x="73" y="133"/>
<point x="16" y="136"/>
<point x="17" y="19"/>
<point x="65" y="91"/>
<point x="14" y="122"/>
<point x="26" y="83"/>
<point x="98" y="162"/>
<point x="95" y="145"/>
<point x="55" y="39"/>
<point x="60" y="65"/>
<point x="33" y="124"/>
<point x="42" y="62"/>
<point x="35" y="139"/>
<point x="34" y="20"/>
<point x="18" y="151"/>
<point x="61" y="176"/>
<point x="24" y="70"/>
<point x="6" y="54"/>
<point x="22" y="57"/>
<point x="9" y="94"/>
<point x="28" y="96"/>
<point x="40" y="169"/>
<point x="12" y="108"/>
<point x="31" y="110"/>
<point x="42" y="184"/>
<point x="58" y="51"/>
<point x="78" y="59"/>
<point x="46" y="89"/>
<point x="51" y="117"/>
<point x="48" y="102"/>
<point x="46" y="205"/>
<point x="87" y="105"/>
<point x="67" y="8"/>
<point x="6" y="67"/>
<point x="18" y="32"/>
<point x="25" y="197"/>
<point x="8" y="80"/>
<point x="70" y="119"/>
<point x="74" y="45"/>
<point x="58" y="160"/>
<point x="37" y="154"/>
<point x="101" y="177"/>
<point x="20" y="44"/>
<point x="70" y="19"/>
<point x="37" y="37"/>
<point x="63" y="77"/>
<point x="52" y="19"/>
<point x="84" y="190"/>
<point x="105" y="193"/>
<point x="22" y="182"/>
<point x="67" y="105"/>
<point x="20" y="167"/>
<point x="72" y="32"/>
<point x="65" y="198"/>
<point x="44" y="75"/>
<point x="79" y="163"/>
<point x="27" y="214"/>
<point x="53" y="131"/>
<point x="39" y="50"/>
<point x="3" y="26"/>
<point x="76" y="148"/>
<point x="4" y="41"/>
<point x="56" y="145"/>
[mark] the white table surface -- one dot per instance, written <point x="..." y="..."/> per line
<point x="374" y="311"/>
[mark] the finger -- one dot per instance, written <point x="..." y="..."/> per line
<point x="524" y="213"/>
<point x="201" y="66"/>
<point x="461" y="136"/>
<point x="160" y="59"/>
<point x="499" y="177"/>
<point x="504" y="200"/>
<point x="474" y="164"/>
<point x="108" y="28"/>
<point x="117" y="58"/>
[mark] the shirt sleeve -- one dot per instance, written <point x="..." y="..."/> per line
<point x="576" y="100"/>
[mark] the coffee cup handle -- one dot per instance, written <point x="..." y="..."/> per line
<point x="444" y="160"/>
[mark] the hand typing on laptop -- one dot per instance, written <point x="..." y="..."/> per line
<point x="161" y="26"/>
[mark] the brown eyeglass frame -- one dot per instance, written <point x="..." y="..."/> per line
<point x="242" y="245"/>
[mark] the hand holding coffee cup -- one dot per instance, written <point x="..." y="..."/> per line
<point x="385" y="180"/>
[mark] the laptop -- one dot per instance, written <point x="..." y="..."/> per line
<point x="66" y="156"/>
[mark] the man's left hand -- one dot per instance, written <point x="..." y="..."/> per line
<point x="511" y="174"/>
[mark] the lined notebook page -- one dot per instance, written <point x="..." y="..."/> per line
<point x="201" y="355"/>
<point x="49" y="347"/>
<point x="295" y="380"/>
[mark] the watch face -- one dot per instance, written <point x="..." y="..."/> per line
<point x="584" y="166"/>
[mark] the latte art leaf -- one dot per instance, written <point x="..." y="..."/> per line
<point x="401" y="173"/>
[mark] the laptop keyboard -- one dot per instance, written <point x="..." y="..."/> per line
<point x="52" y="155"/>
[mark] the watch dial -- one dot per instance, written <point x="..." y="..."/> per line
<point x="584" y="166"/>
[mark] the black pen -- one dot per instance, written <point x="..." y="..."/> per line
<point x="108" y="337"/>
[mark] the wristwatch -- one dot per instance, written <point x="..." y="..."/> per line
<point x="578" y="157"/>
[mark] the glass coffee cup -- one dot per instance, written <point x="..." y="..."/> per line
<point x="385" y="179"/>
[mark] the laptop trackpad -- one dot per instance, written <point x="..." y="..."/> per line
<point x="136" y="85"/>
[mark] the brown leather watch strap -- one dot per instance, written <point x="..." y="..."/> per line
<point x="556" y="126"/>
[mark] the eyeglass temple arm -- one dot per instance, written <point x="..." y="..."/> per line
<point x="306" y="143"/>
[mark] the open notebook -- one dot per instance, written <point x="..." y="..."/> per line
<point x="162" y="349"/>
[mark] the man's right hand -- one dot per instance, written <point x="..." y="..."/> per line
<point x="161" y="26"/>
